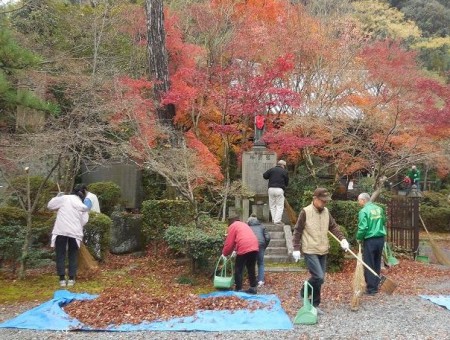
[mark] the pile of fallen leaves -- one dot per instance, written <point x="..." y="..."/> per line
<point x="153" y="291"/>
<point x="118" y="305"/>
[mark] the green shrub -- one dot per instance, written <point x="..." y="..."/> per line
<point x="20" y="185"/>
<point x="436" y="218"/>
<point x="153" y="185"/>
<point x="108" y="194"/>
<point x="12" y="238"/>
<point x="11" y="242"/>
<point x="12" y="216"/>
<point x="345" y="213"/>
<point x="434" y="199"/>
<point x="335" y="258"/>
<point x="97" y="235"/>
<point x="198" y="243"/>
<point x="159" y="214"/>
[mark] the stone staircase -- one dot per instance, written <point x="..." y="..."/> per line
<point x="278" y="251"/>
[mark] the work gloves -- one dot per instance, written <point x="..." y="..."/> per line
<point x="233" y="254"/>
<point x="344" y="244"/>
<point x="296" y="255"/>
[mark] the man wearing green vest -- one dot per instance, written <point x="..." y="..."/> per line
<point x="371" y="231"/>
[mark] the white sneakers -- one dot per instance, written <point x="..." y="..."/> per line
<point x="68" y="283"/>
<point x="260" y="283"/>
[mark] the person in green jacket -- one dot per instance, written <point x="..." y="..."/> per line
<point x="372" y="232"/>
<point x="414" y="176"/>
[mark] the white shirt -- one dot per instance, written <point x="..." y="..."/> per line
<point x="94" y="200"/>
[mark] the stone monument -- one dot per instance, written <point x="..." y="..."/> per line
<point x="254" y="164"/>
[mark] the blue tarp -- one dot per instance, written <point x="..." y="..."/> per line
<point x="441" y="300"/>
<point x="51" y="316"/>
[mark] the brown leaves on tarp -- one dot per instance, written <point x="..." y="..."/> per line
<point x="117" y="306"/>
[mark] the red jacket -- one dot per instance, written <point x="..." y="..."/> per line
<point x="240" y="238"/>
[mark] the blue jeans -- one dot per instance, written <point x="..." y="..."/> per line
<point x="317" y="266"/>
<point x="372" y="253"/>
<point x="260" y="262"/>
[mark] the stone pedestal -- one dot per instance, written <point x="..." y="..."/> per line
<point x="254" y="164"/>
<point x="261" y="211"/>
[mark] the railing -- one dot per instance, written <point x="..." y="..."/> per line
<point x="403" y="223"/>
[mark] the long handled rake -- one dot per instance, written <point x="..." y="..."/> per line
<point x="359" y="283"/>
<point x="386" y="283"/>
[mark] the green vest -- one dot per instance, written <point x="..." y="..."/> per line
<point x="371" y="222"/>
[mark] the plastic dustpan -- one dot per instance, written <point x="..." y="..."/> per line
<point x="389" y="258"/>
<point x="307" y="315"/>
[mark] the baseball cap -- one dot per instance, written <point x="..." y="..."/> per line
<point x="322" y="194"/>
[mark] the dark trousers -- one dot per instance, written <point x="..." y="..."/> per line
<point x="317" y="266"/>
<point x="61" y="244"/>
<point x="247" y="260"/>
<point x="372" y="253"/>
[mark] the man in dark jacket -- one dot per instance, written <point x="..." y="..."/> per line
<point x="278" y="181"/>
<point x="263" y="237"/>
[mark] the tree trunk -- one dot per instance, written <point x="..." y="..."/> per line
<point x="27" y="241"/>
<point x="157" y="57"/>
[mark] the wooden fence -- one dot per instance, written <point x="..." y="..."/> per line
<point x="403" y="223"/>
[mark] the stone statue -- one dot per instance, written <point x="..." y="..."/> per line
<point x="260" y="124"/>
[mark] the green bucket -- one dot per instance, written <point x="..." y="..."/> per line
<point x="307" y="315"/>
<point x="423" y="258"/>
<point x="224" y="274"/>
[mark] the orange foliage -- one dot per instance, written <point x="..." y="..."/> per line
<point x="207" y="162"/>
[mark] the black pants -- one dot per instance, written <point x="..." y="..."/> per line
<point x="372" y="253"/>
<point x="61" y="244"/>
<point x="249" y="261"/>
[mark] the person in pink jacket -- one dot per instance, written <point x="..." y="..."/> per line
<point x="242" y="240"/>
<point x="67" y="233"/>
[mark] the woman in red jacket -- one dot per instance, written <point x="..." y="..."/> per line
<point x="242" y="240"/>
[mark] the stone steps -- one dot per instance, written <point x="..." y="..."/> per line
<point x="277" y="251"/>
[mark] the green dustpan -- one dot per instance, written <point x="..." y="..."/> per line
<point x="389" y="258"/>
<point x="307" y="315"/>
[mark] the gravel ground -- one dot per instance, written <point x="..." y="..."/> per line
<point x="379" y="317"/>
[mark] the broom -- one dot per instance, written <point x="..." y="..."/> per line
<point x="386" y="283"/>
<point x="292" y="215"/>
<point x="441" y="257"/>
<point x="359" y="283"/>
<point x="86" y="262"/>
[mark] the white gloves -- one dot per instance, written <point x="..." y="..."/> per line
<point x="344" y="244"/>
<point x="233" y="254"/>
<point x="296" y="255"/>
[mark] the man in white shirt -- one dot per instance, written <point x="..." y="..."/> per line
<point x="91" y="199"/>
